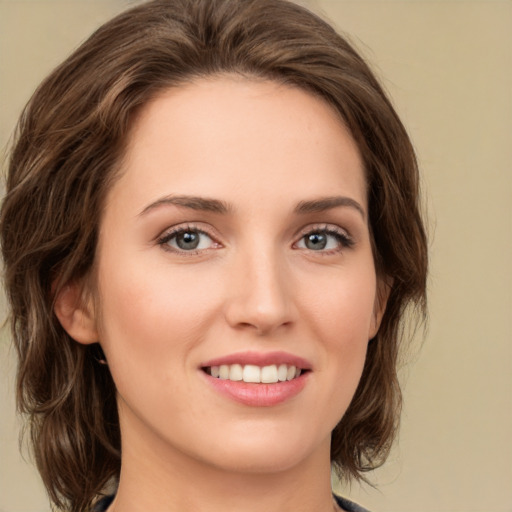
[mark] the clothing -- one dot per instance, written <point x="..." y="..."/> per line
<point x="349" y="506"/>
<point x="103" y="504"/>
<point x="345" y="504"/>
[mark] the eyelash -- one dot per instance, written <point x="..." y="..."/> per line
<point x="342" y="237"/>
<point x="344" y="240"/>
<point x="174" y="232"/>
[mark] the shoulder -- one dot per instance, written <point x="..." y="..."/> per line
<point x="348" y="505"/>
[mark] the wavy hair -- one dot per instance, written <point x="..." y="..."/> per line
<point x="67" y="147"/>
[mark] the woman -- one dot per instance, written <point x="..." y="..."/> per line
<point x="211" y="234"/>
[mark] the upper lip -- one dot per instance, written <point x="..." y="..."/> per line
<point x="260" y="359"/>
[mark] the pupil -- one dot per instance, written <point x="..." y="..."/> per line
<point x="316" y="241"/>
<point x="187" y="240"/>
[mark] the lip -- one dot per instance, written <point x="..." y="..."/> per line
<point x="258" y="395"/>
<point x="260" y="359"/>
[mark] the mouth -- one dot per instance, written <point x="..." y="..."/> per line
<point x="250" y="373"/>
<point x="258" y="379"/>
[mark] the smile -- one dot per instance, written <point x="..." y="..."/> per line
<point x="251" y="373"/>
<point x="257" y="379"/>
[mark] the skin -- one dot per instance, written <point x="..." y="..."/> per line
<point x="253" y="285"/>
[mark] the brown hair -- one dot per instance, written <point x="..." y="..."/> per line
<point x="69" y="141"/>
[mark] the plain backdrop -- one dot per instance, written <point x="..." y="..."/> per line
<point x="448" y="67"/>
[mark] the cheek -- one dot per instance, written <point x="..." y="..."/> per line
<point x="342" y="316"/>
<point x="151" y="326"/>
<point x="151" y="319"/>
<point x="144" y="295"/>
<point x="343" y="305"/>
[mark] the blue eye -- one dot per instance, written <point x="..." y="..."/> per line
<point x="187" y="240"/>
<point x="324" y="240"/>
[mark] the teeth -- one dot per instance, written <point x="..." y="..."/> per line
<point x="251" y="373"/>
<point x="269" y="374"/>
<point x="254" y="374"/>
<point x="224" y="372"/>
<point x="282" y="372"/>
<point x="236" y="372"/>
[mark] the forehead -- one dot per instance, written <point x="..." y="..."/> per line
<point x="236" y="136"/>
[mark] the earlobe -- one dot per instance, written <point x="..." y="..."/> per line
<point x="384" y="286"/>
<point x="75" y="314"/>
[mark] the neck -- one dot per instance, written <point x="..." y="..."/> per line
<point x="156" y="477"/>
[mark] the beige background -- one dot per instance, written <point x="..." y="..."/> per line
<point x="448" y="66"/>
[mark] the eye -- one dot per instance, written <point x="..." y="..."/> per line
<point x="325" y="239"/>
<point x="187" y="240"/>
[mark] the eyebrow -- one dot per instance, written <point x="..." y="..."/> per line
<point x="327" y="203"/>
<point x="191" y="202"/>
<point x="216" y="206"/>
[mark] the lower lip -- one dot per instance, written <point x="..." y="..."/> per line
<point x="258" y="395"/>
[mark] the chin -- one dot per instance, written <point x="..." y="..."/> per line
<point x="259" y="462"/>
<point x="267" y="453"/>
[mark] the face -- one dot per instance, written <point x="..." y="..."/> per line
<point x="235" y="275"/>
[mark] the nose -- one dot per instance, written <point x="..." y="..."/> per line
<point x="260" y="298"/>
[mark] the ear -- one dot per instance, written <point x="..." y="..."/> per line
<point x="384" y="285"/>
<point x="76" y="313"/>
